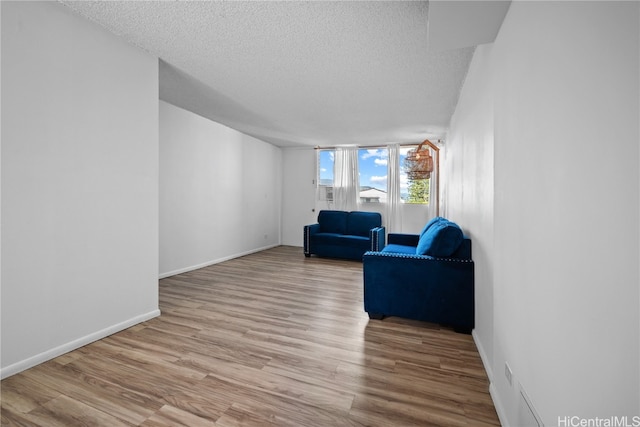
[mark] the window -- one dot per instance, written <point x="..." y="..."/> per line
<point x="372" y="168"/>
<point x="413" y="191"/>
<point x="325" y="175"/>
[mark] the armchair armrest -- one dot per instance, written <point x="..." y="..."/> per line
<point x="404" y="239"/>
<point x="377" y="238"/>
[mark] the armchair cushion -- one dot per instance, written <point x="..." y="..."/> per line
<point x="441" y="239"/>
<point x="430" y="223"/>
<point x="399" y="249"/>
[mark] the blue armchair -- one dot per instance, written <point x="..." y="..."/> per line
<point x="340" y="234"/>
<point x="428" y="277"/>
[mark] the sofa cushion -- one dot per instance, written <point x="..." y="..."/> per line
<point x="440" y="240"/>
<point x="359" y="223"/>
<point x="350" y="241"/>
<point x="333" y="221"/>
<point x="326" y="238"/>
<point x="430" y="223"/>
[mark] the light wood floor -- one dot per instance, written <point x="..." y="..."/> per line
<point x="269" y="339"/>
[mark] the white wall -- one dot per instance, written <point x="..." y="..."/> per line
<point x="565" y="245"/>
<point x="298" y="193"/>
<point x="79" y="183"/>
<point x="220" y="192"/>
<point x="468" y="190"/>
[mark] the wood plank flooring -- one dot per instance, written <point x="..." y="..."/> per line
<point x="269" y="339"/>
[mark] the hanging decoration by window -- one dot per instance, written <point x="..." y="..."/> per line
<point x="418" y="162"/>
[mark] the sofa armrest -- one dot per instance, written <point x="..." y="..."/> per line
<point x="377" y="237"/>
<point x="312" y="228"/>
<point x="307" y="232"/>
<point x="403" y="239"/>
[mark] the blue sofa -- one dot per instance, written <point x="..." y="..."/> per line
<point x="428" y="277"/>
<point x="341" y="234"/>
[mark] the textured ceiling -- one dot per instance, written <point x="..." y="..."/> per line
<point x="303" y="73"/>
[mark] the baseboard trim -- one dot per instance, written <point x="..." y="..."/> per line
<point x="502" y="415"/>
<point x="483" y="355"/>
<point x="73" y="345"/>
<point x="489" y="370"/>
<point x="215" y="261"/>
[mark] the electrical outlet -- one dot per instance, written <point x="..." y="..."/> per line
<point x="508" y="373"/>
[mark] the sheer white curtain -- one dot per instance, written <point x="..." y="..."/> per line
<point x="394" y="202"/>
<point x="434" y="185"/>
<point x="346" y="182"/>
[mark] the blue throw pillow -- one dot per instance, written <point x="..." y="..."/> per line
<point x="430" y="223"/>
<point x="442" y="239"/>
